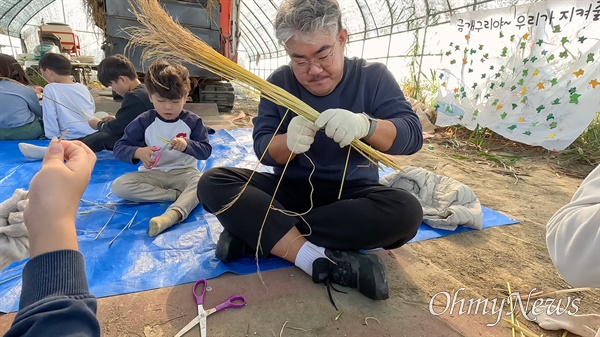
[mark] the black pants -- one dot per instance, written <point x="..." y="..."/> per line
<point x="368" y="215"/>
<point x="99" y="141"/>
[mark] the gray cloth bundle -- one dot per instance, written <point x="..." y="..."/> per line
<point x="447" y="203"/>
<point x="14" y="240"/>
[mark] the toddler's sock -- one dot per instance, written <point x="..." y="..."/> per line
<point x="32" y="151"/>
<point x="160" y="223"/>
<point x="307" y="254"/>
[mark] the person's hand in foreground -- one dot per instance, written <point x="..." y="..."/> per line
<point x="55" y="298"/>
<point x="54" y="195"/>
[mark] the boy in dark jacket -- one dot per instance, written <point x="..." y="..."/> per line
<point x="119" y="73"/>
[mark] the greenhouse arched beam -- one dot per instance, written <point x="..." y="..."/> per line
<point x="249" y="47"/>
<point x="362" y="52"/>
<point x="18" y="32"/>
<point x="271" y="22"/>
<point x="261" y="25"/>
<point x="248" y="32"/>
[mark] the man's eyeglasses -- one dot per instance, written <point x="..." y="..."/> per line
<point x="322" y="62"/>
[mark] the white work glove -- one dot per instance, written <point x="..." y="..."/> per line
<point x="14" y="240"/>
<point x="582" y="325"/>
<point x="343" y="126"/>
<point x="301" y="134"/>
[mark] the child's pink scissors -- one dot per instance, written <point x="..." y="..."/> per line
<point x="159" y="153"/>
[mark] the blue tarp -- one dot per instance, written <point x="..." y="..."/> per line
<point x="135" y="261"/>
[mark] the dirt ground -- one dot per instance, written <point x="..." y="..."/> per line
<point x="482" y="262"/>
<point x="530" y="191"/>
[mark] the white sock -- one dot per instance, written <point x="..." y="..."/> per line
<point x="32" y="151"/>
<point x="307" y="254"/>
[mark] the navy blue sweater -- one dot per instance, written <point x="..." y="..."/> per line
<point x="146" y="129"/>
<point x="55" y="300"/>
<point x="134" y="103"/>
<point x="365" y="87"/>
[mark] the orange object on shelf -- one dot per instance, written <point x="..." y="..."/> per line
<point x="63" y="34"/>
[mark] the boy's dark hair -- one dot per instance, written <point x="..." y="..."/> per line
<point x="169" y="80"/>
<point x="114" y="66"/>
<point x="57" y="63"/>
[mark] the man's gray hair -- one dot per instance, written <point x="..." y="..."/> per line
<point x="302" y="18"/>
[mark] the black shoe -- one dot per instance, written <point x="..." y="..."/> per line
<point x="230" y="248"/>
<point x="365" y="272"/>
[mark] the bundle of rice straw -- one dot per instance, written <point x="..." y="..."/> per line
<point x="97" y="11"/>
<point x="164" y="38"/>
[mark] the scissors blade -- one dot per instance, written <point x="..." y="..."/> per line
<point x="166" y="146"/>
<point x="202" y="317"/>
<point x="188" y="327"/>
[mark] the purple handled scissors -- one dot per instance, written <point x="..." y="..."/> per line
<point x="233" y="302"/>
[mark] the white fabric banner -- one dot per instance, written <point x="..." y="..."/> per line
<point x="529" y="73"/>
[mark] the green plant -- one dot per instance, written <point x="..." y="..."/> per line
<point x="419" y="85"/>
<point x="35" y="77"/>
<point x="586" y="148"/>
<point x="477" y="136"/>
<point x="503" y="159"/>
